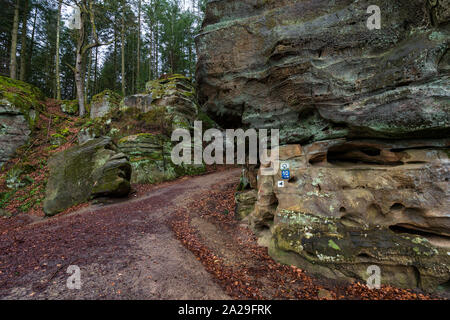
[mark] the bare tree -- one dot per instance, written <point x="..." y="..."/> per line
<point x="87" y="14"/>
<point x="58" y="31"/>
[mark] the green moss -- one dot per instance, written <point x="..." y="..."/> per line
<point x="161" y="87"/>
<point x="5" y="197"/>
<point x="57" y="139"/>
<point x="111" y="96"/>
<point x="24" y="97"/>
<point x="70" y="107"/>
<point x="333" y="245"/>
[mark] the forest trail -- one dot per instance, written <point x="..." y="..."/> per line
<point x="125" y="250"/>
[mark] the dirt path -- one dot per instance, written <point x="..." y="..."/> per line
<point x="177" y="241"/>
<point x="124" y="251"/>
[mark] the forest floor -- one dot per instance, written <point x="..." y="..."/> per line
<point x="176" y="240"/>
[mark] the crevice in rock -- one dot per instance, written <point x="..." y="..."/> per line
<point x="363" y="154"/>
<point x="407" y="229"/>
<point x="397" y="207"/>
<point x="364" y="255"/>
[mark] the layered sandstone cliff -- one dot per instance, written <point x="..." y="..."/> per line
<point x="365" y="117"/>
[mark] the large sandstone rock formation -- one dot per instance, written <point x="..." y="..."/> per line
<point x="95" y="168"/>
<point x="103" y="103"/>
<point x="349" y="205"/>
<point x="366" y="116"/>
<point x="20" y="104"/>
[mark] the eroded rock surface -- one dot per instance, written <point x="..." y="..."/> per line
<point x="20" y="104"/>
<point x="177" y="95"/>
<point x="95" y="168"/>
<point x="352" y="204"/>
<point x="150" y="157"/>
<point x="103" y="103"/>
<point x="351" y="105"/>
<point x="313" y="69"/>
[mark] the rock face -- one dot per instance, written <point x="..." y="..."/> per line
<point x="245" y="203"/>
<point x="314" y="69"/>
<point x="93" y="169"/>
<point x="364" y="116"/>
<point x="178" y="96"/>
<point x="20" y="104"/>
<point x="142" y="102"/>
<point x="349" y="205"/>
<point x="103" y="103"/>
<point x="150" y="159"/>
<point x="70" y="107"/>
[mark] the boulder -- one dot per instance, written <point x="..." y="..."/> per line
<point x="143" y="102"/>
<point x="104" y="103"/>
<point x="352" y="204"/>
<point x="177" y="94"/>
<point x="70" y="107"/>
<point x="20" y="104"/>
<point x="315" y="71"/>
<point x="245" y="203"/>
<point x="95" y="168"/>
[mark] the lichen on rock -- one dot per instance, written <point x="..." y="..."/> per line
<point x="95" y="168"/>
<point x="103" y="103"/>
<point x="350" y="204"/>
<point x="150" y="157"/>
<point x="314" y="70"/>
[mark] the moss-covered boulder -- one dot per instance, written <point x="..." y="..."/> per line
<point x="95" y="168"/>
<point x="141" y="101"/>
<point x="70" y="107"/>
<point x="150" y="159"/>
<point x="103" y="103"/>
<point x="177" y="94"/>
<point x="245" y="203"/>
<point x="20" y="104"/>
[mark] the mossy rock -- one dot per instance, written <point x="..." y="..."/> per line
<point x="167" y="86"/>
<point x="57" y="139"/>
<point x="150" y="157"/>
<point x="20" y="105"/>
<point x="406" y="260"/>
<point x="95" y="168"/>
<point x="103" y="103"/>
<point x="21" y="97"/>
<point x="70" y="107"/>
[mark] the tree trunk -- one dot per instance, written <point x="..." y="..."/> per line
<point x="138" y="66"/>
<point x="33" y="32"/>
<point x="15" y="31"/>
<point x="123" y="47"/>
<point x="58" y="77"/>
<point x="23" y="50"/>
<point x="115" y="55"/>
<point x="79" y="72"/>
